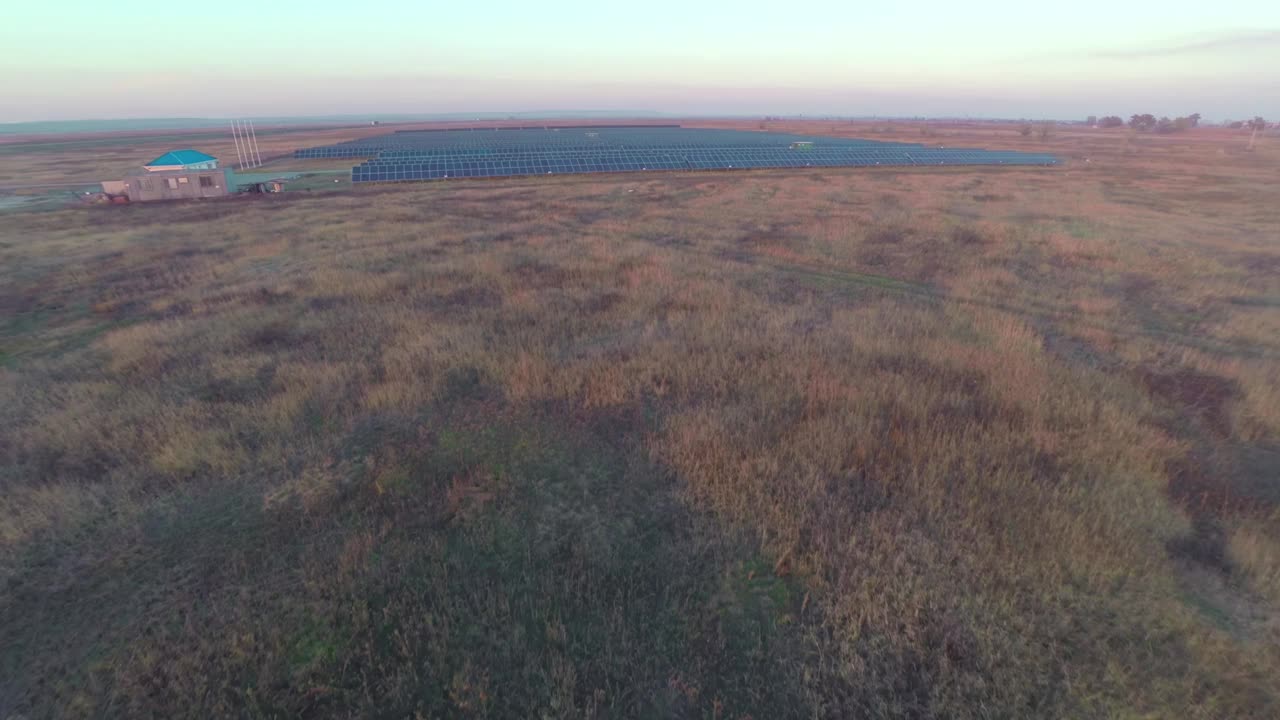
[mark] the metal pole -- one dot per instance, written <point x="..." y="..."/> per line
<point x="244" y="140"/>
<point x="244" y="125"/>
<point x="256" y="154"/>
<point x="248" y="149"/>
<point x="236" y="138"/>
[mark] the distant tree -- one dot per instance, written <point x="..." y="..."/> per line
<point x="1111" y="121"/>
<point x="1235" y="125"/>
<point x="1045" y="131"/>
<point x="1165" y="125"/>
<point x="1182" y="123"/>
<point x="1025" y="130"/>
<point x="1143" y="123"/>
<point x="1257" y="125"/>
<point x="1193" y="120"/>
<point x="1091" y="121"/>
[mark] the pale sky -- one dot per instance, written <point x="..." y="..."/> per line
<point x="131" y="58"/>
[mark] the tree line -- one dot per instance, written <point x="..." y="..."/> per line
<point x="1146" y="122"/>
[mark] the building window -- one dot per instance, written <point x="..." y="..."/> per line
<point x="206" y="181"/>
<point x="183" y="181"/>
<point x="173" y="183"/>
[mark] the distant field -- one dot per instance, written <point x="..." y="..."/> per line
<point x="105" y="156"/>
<point x="840" y="443"/>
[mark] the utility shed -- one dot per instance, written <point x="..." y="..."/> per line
<point x="182" y="184"/>
<point x="182" y="160"/>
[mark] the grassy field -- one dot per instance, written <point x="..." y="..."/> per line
<point x="842" y="443"/>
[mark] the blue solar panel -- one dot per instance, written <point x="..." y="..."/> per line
<point x="440" y="154"/>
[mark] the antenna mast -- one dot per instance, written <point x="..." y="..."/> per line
<point x="257" y="155"/>
<point x="236" y="138"/>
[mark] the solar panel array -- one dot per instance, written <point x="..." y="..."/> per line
<point x="440" y="154"/>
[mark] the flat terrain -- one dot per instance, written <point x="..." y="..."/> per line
<point x="72" y="159"/>
<point x="851" y="444"/>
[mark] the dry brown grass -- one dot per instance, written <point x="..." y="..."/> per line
<point x="817" y="444"/>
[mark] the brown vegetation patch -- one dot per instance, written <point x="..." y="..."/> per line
<point x="322" y="303"/>
<point x="1260" y="262"/>
<point x="889" y="235"/>
<point x="968" y="403"/>
<point x="965" y="235"/>
<point x="471" y="296"/>
<point x="536" y="274"/>
<point x="762" y="236"/>
<point x="1137" y="287"/>
<point x="274" y="335"/>
<point x="1207" y="499"/>
<point x="271" y="296"/>
<point x="602" y="302"/>
<point x="1223" y="480"/>
<point x="1201" y="394"/>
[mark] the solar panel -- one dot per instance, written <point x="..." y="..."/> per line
<point x="452" y="153"/>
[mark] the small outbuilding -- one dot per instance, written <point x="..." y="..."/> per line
<point x="175" y="175"/>
<point x="177" y="185"/>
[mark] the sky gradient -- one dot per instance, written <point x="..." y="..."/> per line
<point x="128" y="58"/>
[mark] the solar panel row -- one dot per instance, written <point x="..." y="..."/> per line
<point x="726" y="155"/>
<point x="483" y="151"/>
<point x="429" y="155"/>
<point x="454" y="168"/>
<point x="646" y="126"/>
<point x="455" y="140"/>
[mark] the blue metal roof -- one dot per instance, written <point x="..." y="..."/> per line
<point x="181" y="157"/>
